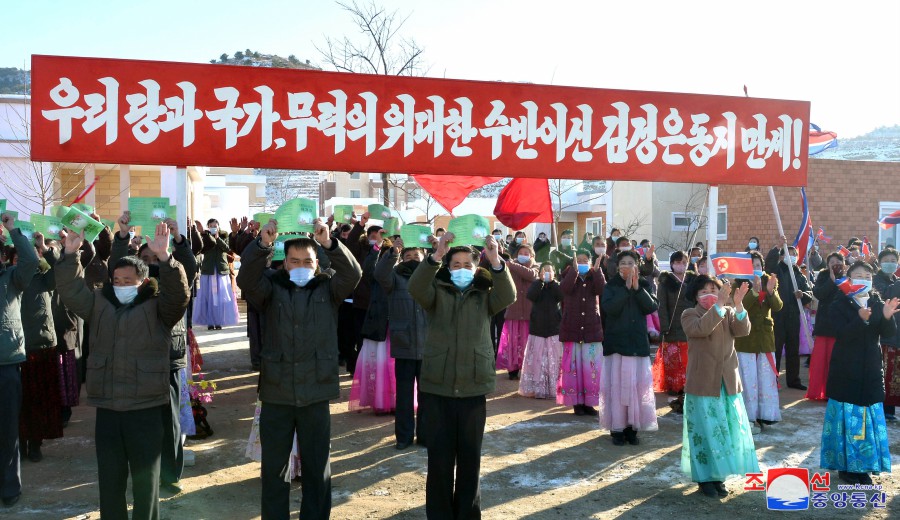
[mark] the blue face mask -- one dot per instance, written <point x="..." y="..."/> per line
<point x="462" y="278"/>
<point x="566" y="242"/>
<point x="865" y="283"/>
<point x="889" y="267"/>
<point x="301" y="275"/>
<point x="758" y="273"/>
<point x="523" y="259"/>
<point x="753" y="245"/>
<point x="583" y="268"/>
<point x="519" y="240"/>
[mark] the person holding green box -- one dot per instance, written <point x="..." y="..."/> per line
<point x="458" y="369"/>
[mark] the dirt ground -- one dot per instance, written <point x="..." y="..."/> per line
<point x="539" y="461"/>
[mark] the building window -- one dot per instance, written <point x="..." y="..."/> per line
<point x="354" y="176"/>
<point x="595" y="226"/>
<point x="888" y="237"/>
<point x="378" y="194"/>
<point x="722" y="223"/>
<point x="682" y="221"/>
<point x="354" y="194"/>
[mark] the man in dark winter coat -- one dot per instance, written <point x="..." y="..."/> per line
<point x="299" y="361"/>
<point x="787" y="320"/>
<point x="13" y="281"/>
<point x="131" y="324"/>
<point x="172" y="463"/>
<point x="408" y="327"/>
<point x="458" y="369"/>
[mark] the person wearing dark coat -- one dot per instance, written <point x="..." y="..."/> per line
<point x="543" y="351"/>
<point x="458" y="369"/>
<point x="14" y="279"/>
<point x="360" y="241"/>
<point x="854" y="434"/>
<point x="787" y="321"/>
<point x="241" y="235"/>
<point x="299" y="373"/>
<point x="581" y="333"/>
<point x="670" y="365"/>
<point x="172" y="462"/>
<point x="41" y="407"/>
<point x="128" y="371"/>
<point x="408" y="327"/>
<point x="825" y="290"/>
<point x="215" y="305"/>
<point x="627" y="404"/>
<point x="887" y="285"/>
<point x="374" y="385"/>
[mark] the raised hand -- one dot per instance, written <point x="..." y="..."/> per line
<point x="322" y="233"/>
<point x="39" y="242"/>
<point x="650" y="252"/>
<point x="635" y="279"/>
<point x="739" y="294"/>
<point x="773" y="281"/>
<point x="160" y="242"/>
<point x="269" y="233"/>
<point x="124" y="224"/>
<point x="891" y="308"/>
<point x="724" y="292"/>
<point x="95" y="216"/>
<point x="491" y="250"/>
<point x="442" y="246"/>
<point x="234" y="225"/>
<point x="72" y="241"/>
<point x="244" y="223"/>
<point x="865" y="313"/>
<point x="8" y="222"/>
<point x="398" y="245"/>
<point x="598" y="263"/>
<point x="136" y="242"/>
<point x="364" y="219"/>
<point x="199" y="226"/>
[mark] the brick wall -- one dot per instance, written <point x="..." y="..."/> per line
<point x="144" y="183"/>
<point x="843" y="198"/>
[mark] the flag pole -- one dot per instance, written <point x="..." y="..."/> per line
<point x="803" y="322"/>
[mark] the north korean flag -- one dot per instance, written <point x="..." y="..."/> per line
<point x="733" y="265"/>
<point x="889" y="221"/>
<point x="848" y="287"/>
<point x="844" y="251"/>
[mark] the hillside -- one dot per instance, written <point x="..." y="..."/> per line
<point x="881" y="144"/>
<point x="250" y="58"/>
<point x="14" y="81"/>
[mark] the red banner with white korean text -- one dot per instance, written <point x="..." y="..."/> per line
<point x="95" y="110"/>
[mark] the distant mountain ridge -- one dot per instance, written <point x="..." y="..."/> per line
<point x="881" y="144"/>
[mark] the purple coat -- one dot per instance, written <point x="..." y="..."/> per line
<point x="581" y="320"/>
<point x="523" y="276"/>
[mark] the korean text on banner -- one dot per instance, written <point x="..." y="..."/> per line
<point x="97" y="110"/>
<point x="469" y="230"/>
<point x="296" y="216"/>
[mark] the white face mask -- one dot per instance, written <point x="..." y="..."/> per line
<point x="214" y="231"/>
<point x="625" y="248"/>
<point x="547" y="276"/>
<point x="126" y="293"/>
<point x="301" y="275"/>
<point x="600" y="251"/>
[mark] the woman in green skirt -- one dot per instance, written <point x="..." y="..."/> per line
<point x="717" y="439"/>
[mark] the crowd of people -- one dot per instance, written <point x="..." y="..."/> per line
<point x="594" y="325"/>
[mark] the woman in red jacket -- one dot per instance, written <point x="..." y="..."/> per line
<point x="581" y="333"/>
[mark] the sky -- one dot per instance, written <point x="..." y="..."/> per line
<point x="843" y="57"/>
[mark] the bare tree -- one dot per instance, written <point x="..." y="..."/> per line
<point x="380" y="50"/>
<point x="560" y="187"/>
<point x="414" y="192"/>
<point x="696" y="214"/>
<point x="35" y="185"/>
<point x="285" y="185"/>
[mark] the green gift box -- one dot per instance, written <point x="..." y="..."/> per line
<point x="469" y="230"/>
<point x="415" y="235"/>
<point x="296" y="215"/>
<point x="77" y="220"/>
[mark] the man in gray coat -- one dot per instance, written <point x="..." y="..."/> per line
<point x="299" y="372"/>
<point x="13" y="281"/>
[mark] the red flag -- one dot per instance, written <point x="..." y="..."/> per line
<point x="524" y="201"/>
<point x="87" y="190"/>
<point x="844" y="251"/>
<point x="450" y="190"/>
<point x="866" y="247"/>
